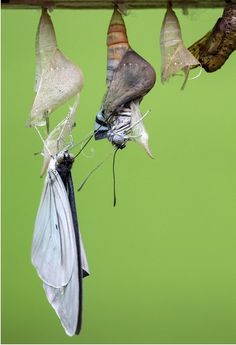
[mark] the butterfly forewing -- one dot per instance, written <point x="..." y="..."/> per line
<point x="53" y="249"/>
<point x="133" y="78"/>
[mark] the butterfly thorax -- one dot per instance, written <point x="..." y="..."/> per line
<point x="118" y="127"/>
<point x="64" y="164"/>
<point x="119" y="140"/>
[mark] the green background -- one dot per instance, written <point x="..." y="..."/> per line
<point x="163" y="261"/>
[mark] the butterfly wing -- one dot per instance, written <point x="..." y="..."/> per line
<point x="55" y="253"/>
<point x="53" y="248"/>
<point x="133" y="78"/>
<point x="65" y="301"/>
<point x="84" y="261"/>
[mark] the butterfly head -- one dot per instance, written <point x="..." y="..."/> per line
<point x="64" y="162"/>
<point x="117" y="139"/>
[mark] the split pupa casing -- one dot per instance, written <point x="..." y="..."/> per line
<point x="57" y="78"/>
<point x="117" y="43"/>
<point x="57" y="139"/>
<point x="175" y="57"/>
<point x="215" y="47"/>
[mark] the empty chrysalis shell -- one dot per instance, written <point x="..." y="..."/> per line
<point x="117" y="43"/>
<point x="57" y="141"/>
<point x="45" y="46"/>
<point x="175" y="57"/>
<point x="57" y="78"/>
<point x="215" y="47"/>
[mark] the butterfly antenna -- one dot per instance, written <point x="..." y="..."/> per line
<point x="114" y="177"/>
<point x="86" y="143"/>
<point x="83" y="140"/>
<point x="91" y="172"/>
<point x="139" y="120"/>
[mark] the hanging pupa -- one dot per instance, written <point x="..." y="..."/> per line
<point x="129" y="79"/>
<point x="175" y="57"/>
<point x="215" y="47"/>
<point x="117" y="43"/>
<point x="57" y="78"/>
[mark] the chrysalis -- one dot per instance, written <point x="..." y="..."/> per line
<point x="215" y="47"/>
<point x="175" y="57"/>
<point x="58" y="138"/>
<point x="117" y="44"/>
<point x="129" y="79"/>
<point x="57" y="249"/>
<point x="57" y="78"/>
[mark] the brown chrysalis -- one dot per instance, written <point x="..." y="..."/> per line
<point x="215" y="47"/>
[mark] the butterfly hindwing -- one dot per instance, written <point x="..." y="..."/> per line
<point x="65" y="301"/>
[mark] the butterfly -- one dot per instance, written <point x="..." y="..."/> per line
<point x="129" y="78"/>
<point x="58" y="253"/>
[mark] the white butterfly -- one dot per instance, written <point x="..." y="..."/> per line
<point x="57" y="253"/>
